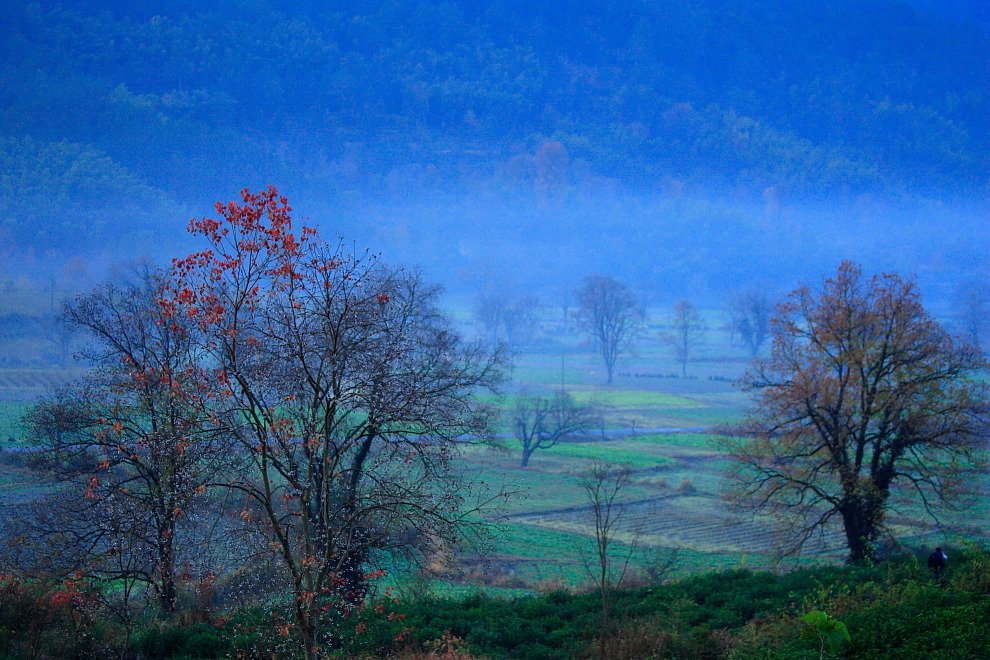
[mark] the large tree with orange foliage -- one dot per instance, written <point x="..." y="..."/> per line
<point x="863" y="396"/>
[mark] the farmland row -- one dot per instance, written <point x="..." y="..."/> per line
<point x="36" y="379"/>
<point x="697" y="524"/>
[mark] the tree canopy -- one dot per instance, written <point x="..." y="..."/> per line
<point x="607" y="312"/>
<point x="863" y="397"/>
<point x="345" y="388"/>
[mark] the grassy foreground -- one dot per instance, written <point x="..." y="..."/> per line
<point x="892" y="610"/>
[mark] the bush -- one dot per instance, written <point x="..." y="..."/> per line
<point x="197" y="641"/>
<point x="43" y="616"/>
<point x="892" y="610"/>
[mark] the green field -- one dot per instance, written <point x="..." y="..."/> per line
<point x="673" y="503"/>
<point x="10" y="423"/>
<point x="672" y="508"/>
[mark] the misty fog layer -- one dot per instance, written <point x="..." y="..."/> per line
<point x="686" y="147"/>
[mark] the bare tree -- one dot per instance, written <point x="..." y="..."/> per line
<point x="506" y="314"/>
<point x="750" y="315"/>
<point x="686" y="331"/>
<point x="61" y="335"/>
<point x="974" y="311"/>
<point x="130" y="446"/>
<point x="350" y="389"/>
<point x="862" y="393"/>
<point x="602" y="484"/>
<point x="523" y="318"/>
<point x="607" y="311"/>
<point x="543" y="422"/>
<point x="492" y="308"/>
<point x="562" y="298"/>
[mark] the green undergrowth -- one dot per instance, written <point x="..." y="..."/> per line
<point x="894" y="610"/>
<point x="891" y="610"/>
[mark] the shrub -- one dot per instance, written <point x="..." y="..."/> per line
<point x="46" y="616"/>
<point x="197" y="641"/>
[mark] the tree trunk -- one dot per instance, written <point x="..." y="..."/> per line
<point x="859" y="548"/>
<point x="305" y="620"/>
<point x="860" y="525"/>
<point x="167" y="595"/>
<point x="606" y="610"/>
<point x="353" y="583"/>
<point x="308" y="631"/>
<point x="166" y="569"/>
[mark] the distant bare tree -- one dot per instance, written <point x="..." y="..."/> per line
<point x="563" y="299"/>
<point x="685" y="333"/>
<point x="491" y="307"/>
<point x="608" y="312"/>
<point x="732" y="320"/>
<point x="543" y="422"/>
<point x="974" y="311"/>
<point x="505" y="314"/>
<point x="522" y="318"/>
<point x="61" y="335"/>
<point x="602" y="484"/>
<point x="753" y="310"/>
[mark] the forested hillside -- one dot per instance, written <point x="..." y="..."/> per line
<point x="117" y="109"/>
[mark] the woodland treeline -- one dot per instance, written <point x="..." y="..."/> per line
<point x="163" y="104"/>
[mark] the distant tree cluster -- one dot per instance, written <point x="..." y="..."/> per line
<point x="606" y="311"/>
<point x="749" y="318"/>
<point x="505" y="314"/>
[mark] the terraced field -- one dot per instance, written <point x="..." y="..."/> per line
<point x="686" y="523"/>
<point x="671" y="509"/>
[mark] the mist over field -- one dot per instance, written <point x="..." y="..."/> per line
<point x="688" y="148"/>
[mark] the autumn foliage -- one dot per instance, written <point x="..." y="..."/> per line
<point x="345" y="389"/>
<point x="864" y="397"/>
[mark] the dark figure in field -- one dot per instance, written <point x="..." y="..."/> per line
<point x="936" y="562"/>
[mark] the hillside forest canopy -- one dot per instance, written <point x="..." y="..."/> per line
<point x="755" y="141"/>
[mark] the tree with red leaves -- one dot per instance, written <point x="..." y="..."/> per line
<point x="130" y="446"/>
<point x="350" y="390"/>
<point x="863" y="396"/>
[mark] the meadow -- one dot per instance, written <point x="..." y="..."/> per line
<point x="657" y="424"/>
<point x="663" y="428"/>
